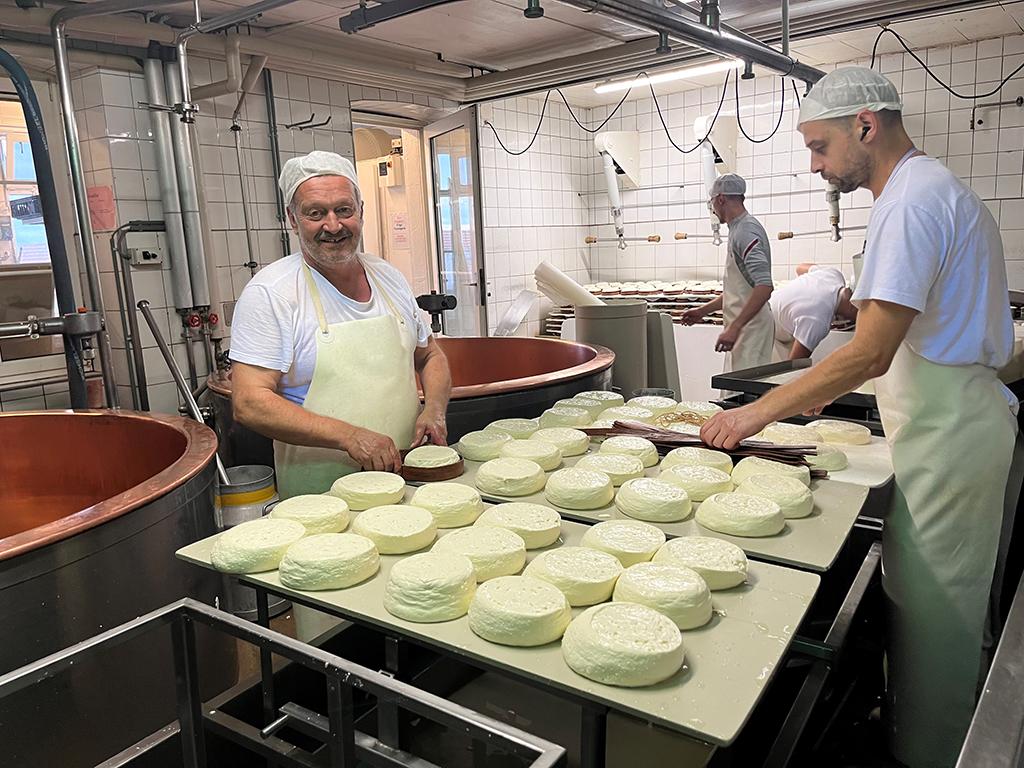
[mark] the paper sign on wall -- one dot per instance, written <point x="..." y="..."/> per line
<point x="400" y="231"/>
<point x="102" y="210"/>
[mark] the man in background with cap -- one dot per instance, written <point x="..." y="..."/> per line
<point x="326" y="343"/>
<point x="749" y="329"/>
<point x="933" y="326"/>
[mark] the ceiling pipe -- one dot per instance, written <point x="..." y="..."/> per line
<point x="252" y="74"/>
<point x="233" y="81"/>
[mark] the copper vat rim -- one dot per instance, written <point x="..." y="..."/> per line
<point x="200" y="446"/>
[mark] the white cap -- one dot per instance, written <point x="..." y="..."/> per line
<point x="846" y="91"/>
<point x="729" y="184"/>
<point x="317" y="163"/>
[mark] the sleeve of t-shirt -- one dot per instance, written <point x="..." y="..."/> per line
<point x="261" y="329"/>
<point x="810" y="331"/>
<point x="903" y="256"/>
<point x="756" y="258"/>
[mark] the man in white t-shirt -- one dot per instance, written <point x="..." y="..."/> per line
<point x="805" y="307"/>
<point x="933" y="327"/>
<point x="326" y="343"/>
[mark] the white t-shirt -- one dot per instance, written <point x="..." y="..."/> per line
<point x="275" y="322"/>
<point x="933" y="246"/>
<point x="804" y="307"/>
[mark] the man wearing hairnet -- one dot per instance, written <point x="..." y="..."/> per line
<point x="749" y="332"/>
<point x="934" y="325"/>
<point x="326" y="343"/>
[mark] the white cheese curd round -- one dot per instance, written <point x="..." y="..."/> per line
<point x="829" y="458"/>
<point x="618" y="466"/>
<point x="362" y="490"/>
<point x="740" y="514"/>
<point x="517" y="429"/>
<point x="430" y="587"/>
<point x="699" y="407"/>
<point x="592" y="407"/>
<point x="790" y="434"/>
<point x="842" y="432"/>
<point x="653" y="500"/>
<point x="571" y="442"/>
<point x="631" y="541"/>
<point x="672" y="590"/>
<point x="627" y="413"/>
<point x="318" y="512"/>
<point x="453" y="505"/>
<point x="494" y="551"/>
<point x="520" y="611"/>
<point x="684" y="429"/>
<point x="396" y="529"/>
<point x="431" y="457"/>
<point x="720" y="563"/>
<point x="538" y="526"/>
<point x="564" y="417"/>
<point x="547" y="455"/>
<point x="629" y="445"/>
<point x="694" y="456"/>
<point x="609" y="398"/>
<point x="698" y="481"/>
<point x="623" y="644"/>
<point x="755" y="465"/>
<point x="482" y="445"/>
<point x="585" y="576"/>
<point x="573" y="488"/>
<point x="793" y="497"/>
<point x="655" y="403"/>
<point x="329" y="561"/>
<point x="510" y="477"/>
<point x="255" y="546"/>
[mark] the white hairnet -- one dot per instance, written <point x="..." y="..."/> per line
<point x="729" y="184"/>
<point x="317" y="163"/>
<point x="846" y="91"/>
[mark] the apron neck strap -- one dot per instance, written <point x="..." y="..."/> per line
<point x="375" y="287"/>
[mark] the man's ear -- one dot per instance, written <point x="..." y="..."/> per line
<point x="291" y="219"/>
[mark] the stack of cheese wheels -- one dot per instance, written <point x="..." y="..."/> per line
<point x="494" y="551"/>
<point x="547" y="455"/>
<point x="629" y="445"/>
<point x="362" y="490"/>
<point x="574" y="488"/>
<point x="842" y="432"/>
<point x="255" y="546"/>
<point x="396" y="529"/>
<point x="482" y="445"/>
<point x="585" y="576"/>
<point x="793" y="497"/>
<point x="673" y="590"/>
<point x="627" y="413"/>
<point x="431" y="457"/>
<point x="720" y="563"/>
<point x="564" y="417"/>
<point x="740" y="514"/>
<point x="608" y="398"/>
<point x="623" y="644"/>
<point x="829" y="458"/>
<point x="538" y="526"/>
<point x="755" y="465"/>
<point x="592" y="407"/>
<point x="656" y="404"/>
<point x="430" y="587"/>
<point x="453" y="505"/>
<point x="701" y="408"/>
<point x="520" y="611"/>
<point x="631" y="541"/>
<point x="694" y="456"/>
<point x="618" y="466"/>
<point x="329" y="561"/>
<point x="653" y="500"/>
<point x="571" y="442"/>
<point x="318" y="512"/>
<point x="517" y="429"/>
<point x="510" y="477"/>
<point x="698" y="481"/>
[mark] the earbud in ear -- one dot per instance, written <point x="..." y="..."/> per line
<point x="864" y="131"/>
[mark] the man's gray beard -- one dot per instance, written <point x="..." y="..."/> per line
<point x="316" y="252"/>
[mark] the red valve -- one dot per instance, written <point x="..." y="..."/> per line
<point x="212" y="318"/>
<point x="194" y="321"/>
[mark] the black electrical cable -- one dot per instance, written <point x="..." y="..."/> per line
<point x="932" y="75"/>
<point x="536" y="131"/>
<point x="721" y="101"/>
<point x="782" y="109"/>
<point x="610" y="114"/>
<point x="796" y="92"/>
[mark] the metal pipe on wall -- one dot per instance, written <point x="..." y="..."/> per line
<point x="233" y="80"/>
<point x="252" y="73"/>
<point x="275" y="158"/>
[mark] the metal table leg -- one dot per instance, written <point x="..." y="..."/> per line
<point x="593" y="729"/>
<point x="190" y="703"/>
<point x="388" y="717"/>
<point x="266" y="658"/>
<point x="340" y="710"/>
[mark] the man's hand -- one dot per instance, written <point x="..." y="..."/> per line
<point x="726" y="429"/>
<point x="727" y="339"/>
<point x="372" y="450"/>
<point x="691" y="316"/>
<point x="431" y="423"/>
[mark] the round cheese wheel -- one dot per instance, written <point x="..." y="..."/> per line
<point x="740" y="514"/>
<point x="623" y="644"/>
<point x="656" y="404"/>
<point x="482" y="445"/>
<point x="755" y="465"/>
<point x="430" y="587"/>
<point x="494" y="551"/>
<point x="546" y="455"/>
<point x="631" y="541"/>
<point x="653" y="500"/>
<point x="684" y="429"/>
<point x="609" y="398"/>
<point x="538" y="526"/>
<point x="842" y="432"/>
<point x="618" y="466"/>
<point x="793" y="497"/>
<point x="699" y="457"/>
<point x="698" y="481"/>
<point x="627" y="413"/>
<point x="453" y="505"/>
<point x="510" y="477"/>
<point x="592" y="407"/>
<point x="672" y="590"/>
<point x="362" y="490"/>
<point x="520" y="611"/>
<point x="564" y="417"/>
<point x="585" y="576"/>
<point x="255" y="546"/>
<point x="699" y="407"/>
<point x="518" y="429"/>
<point x="431" y="456"/>
<point x="720" y="563"/>
<point x="791" y="434"/>
<point x="571" y="442"/>
<point x="629" y="445"/>
<point x="318" y="512"/>
<point x="829" y="458"/>
<point x="329" y="561"/>
<point x="396" y="529"/>
<point x="573" y="488"/>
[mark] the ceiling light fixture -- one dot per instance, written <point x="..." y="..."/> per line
<point x="670" y="76"/>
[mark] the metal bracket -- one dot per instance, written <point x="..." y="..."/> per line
<point x="308" y="123"/>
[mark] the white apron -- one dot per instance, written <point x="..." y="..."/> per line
<point x="754" y="346"/>
<point x="951" y="433"/>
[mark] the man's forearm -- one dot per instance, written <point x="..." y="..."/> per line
<point x="436" y="378"/>
<point x="758" y="298"/>
<point x="275" y="417"/>
<point x="715" y="305"/>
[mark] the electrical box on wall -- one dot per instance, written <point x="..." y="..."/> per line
<point x="389" y="171"/>
<point x="145" y="257"/>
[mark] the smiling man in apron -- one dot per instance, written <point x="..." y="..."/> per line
<point x="749" y="333"/>
<point x="934" y="325"/>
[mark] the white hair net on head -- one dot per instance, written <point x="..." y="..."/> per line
<point x="317" y="163"/>
<point x="846" y="91"/>
<point x="729" y="184"/>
